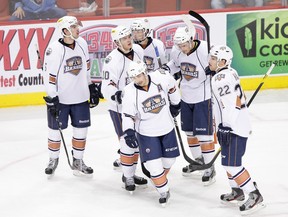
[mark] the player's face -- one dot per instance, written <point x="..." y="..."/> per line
<point x="213" y="63"/>
<point x="126" y="42"/>
<point x="141" y="80"/>
<point x="138" y="35"/>
<point x="75" y="31"/>
<point x="185" y="47"/>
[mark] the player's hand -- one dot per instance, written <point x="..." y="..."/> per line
<point x="175" y="109"/>
<point x="130" y="138"/>
<point x="95" y="95"/>
<point x="223" y="135"/>
<point x="52" y="105"/>
<point x="117" y="97"/>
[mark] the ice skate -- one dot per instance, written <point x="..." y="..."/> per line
<point x="188" y="170"/>
<point x="236" y="197"/>
<point x="129" y="184"/>
<point x="209" y="176"/>
<point x="139" y="181"/>
<point x="80" y="168"/>
<point x="117" y="164"/>
<point x="164" y="197"/>
<point x="253" y="204"/>
<point x="52" y="165"/>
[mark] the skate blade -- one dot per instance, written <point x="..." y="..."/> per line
<point x="50" y="176"/>
<point x="232" y="203"/>
<point x="80" y="174"/>
<point x="254" y="209"/>
<point x="196" y="173"/>
<point x="210" y="182"/>
<point x="117" y="168"/>
<point x="141" y="186"/>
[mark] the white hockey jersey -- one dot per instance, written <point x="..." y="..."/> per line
<point x="229" y="102"/>
<point x="149" y="110"/>
<point x="115" y="74"/>
<point x="194" y="85"/>
<point x="67" y="72"/>
<point x="152" y="52"/>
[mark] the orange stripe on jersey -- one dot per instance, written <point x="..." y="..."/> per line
<point x="52" y="79"/>
<point x="238" y="103"/>
<point x="159" y="180"/>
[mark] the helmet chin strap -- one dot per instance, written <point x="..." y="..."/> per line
<point x="69" y="36"/>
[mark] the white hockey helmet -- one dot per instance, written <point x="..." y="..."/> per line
<point x="136" y="68"/>
<point x="66" y="22"/>
<point x="222" y="52"/>
<point x="119" y="32"/>
<point x="141" y="24"/>
<point x="182" y="35"/>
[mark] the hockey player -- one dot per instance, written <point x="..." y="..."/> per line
<point x="115" y="78"/>
<point x="147" y="104"/>
<point x="233" y="123"/>
<point x="68" y="86"/>
<point x="190" y="57"/>
<point x="154" y="49"/>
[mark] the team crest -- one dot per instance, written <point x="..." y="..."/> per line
<point x="73" y="65"/>
<point x="108" y="59"/>
<point x="219" y="77"/>
<point x="188" y="71"/>
<point x="149" y="63"/>
<point x="154" y="104"/>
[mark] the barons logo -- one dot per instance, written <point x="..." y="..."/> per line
<point x="188" y="70"/>
<point x="154" y="104"/>
<point x="166" y="32"/>
<point x="73" y="65"/>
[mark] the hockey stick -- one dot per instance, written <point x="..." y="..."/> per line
<point x="204" y="23"/>
<point x="57" y="117"/>
<point x="208" y="165"/>
<point x="261" y="84"/>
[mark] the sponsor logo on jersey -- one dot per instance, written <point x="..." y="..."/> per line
<point x="83" y="121"/>
<point x="154" y="104"/>
<point x="218" y="77"/>
<point x="149" y="62"/>
<point x="188" y="71"/>
<point x="73" y="65"/>
<point x="200" y="129"/>
<point x="48" y="51"/>
<point x="171" y="149"/>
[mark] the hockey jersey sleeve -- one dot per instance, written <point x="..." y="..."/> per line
<point x="174" y="93"/>
<point x="129" y="110"/>
<point x="110" y="78"/>
<point x="51" y="67"/>
<point x="173" y="64"/>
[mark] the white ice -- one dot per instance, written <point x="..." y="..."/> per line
<point x="25" y="190"/>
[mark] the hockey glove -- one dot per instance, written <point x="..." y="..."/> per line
<point x="223" y="135"/>
<point x="166" y="68"/>
<point x="117" y="97"/>
<point x="130" y="138"/>
<point x="52" y="105"/>
<point x="175" y="109"/>
<point x="95" y="95"/>
<point x="177" y="75"/>
<point x="208" y="71"/>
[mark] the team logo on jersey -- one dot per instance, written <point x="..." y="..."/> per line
<point x="154" y="104"/>
<point x="159" y="87"/>
<point x="108" y="59"/>
<point x="188" y="71"/>
<point x="73" y="65"/>
<point x="219" y="77"/>
<point x="149" y="63"/>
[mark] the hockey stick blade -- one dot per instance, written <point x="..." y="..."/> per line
<point x="206" y="166"/>
<point x="204" y="23"/>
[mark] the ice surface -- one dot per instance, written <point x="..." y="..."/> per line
<point x="26" y="191"/>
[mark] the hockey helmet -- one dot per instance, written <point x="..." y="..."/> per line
<point x="222" y="52"/>
<point x="66" y="22"/>
<point x="119" y="32"/>
<point x="182" y="35"/>
<point x="136" y="68"/>
<point x="141" y="24"/>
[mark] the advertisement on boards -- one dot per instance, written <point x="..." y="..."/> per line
<point x="258" y="39"/>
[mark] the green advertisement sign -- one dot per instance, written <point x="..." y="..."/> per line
<point x="258" y="39"/>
